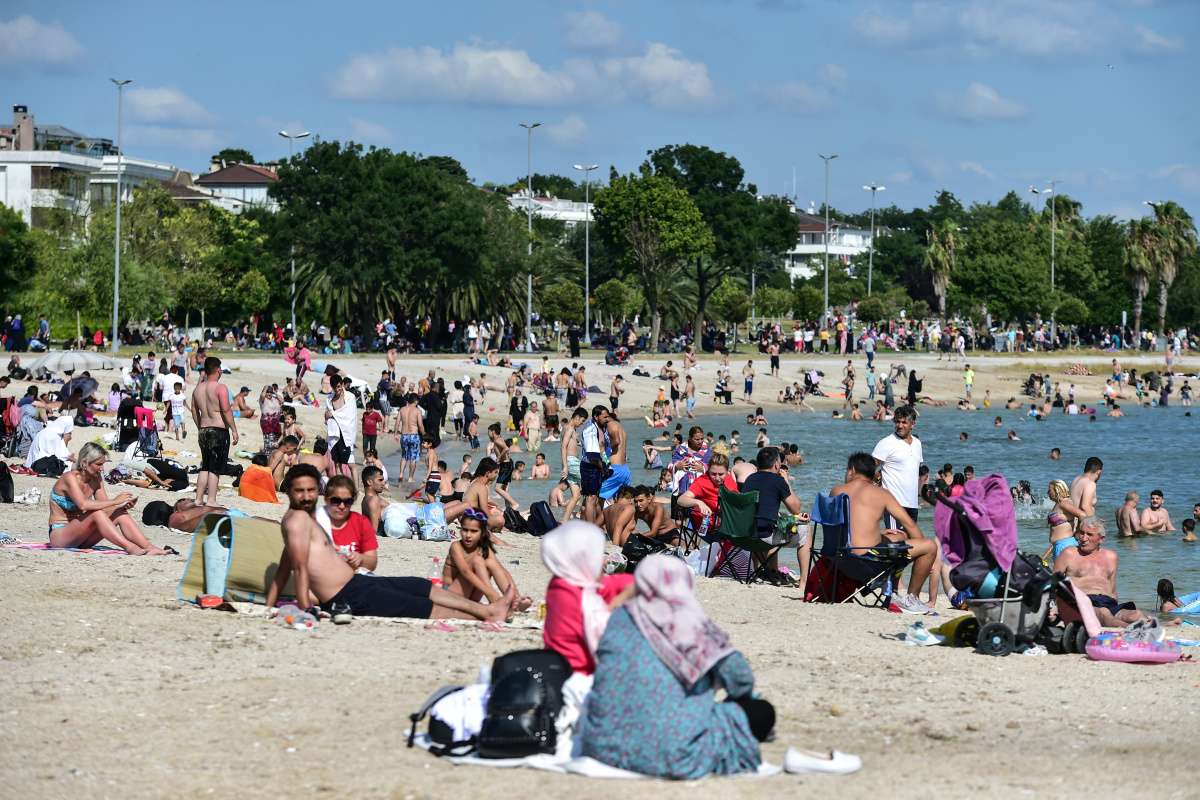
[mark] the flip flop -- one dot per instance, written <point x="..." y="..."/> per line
<point x="171" y="551"/>
<point x="444" y="627"/>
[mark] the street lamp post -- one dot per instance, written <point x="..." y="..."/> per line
<point x="586" y="169"/>
<point x="872" y="188"/>
<point x="529" y="126"/>
<point x="1053" y="230"/>
<point x="825" y="310"/>
<point x="292" y="137"/>
<point x="120" y="84"/>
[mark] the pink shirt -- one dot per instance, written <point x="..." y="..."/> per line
<point x="563" y="629"/>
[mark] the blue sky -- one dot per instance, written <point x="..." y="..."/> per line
<point x="977" y="96"/>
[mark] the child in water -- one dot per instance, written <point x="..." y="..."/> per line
<point x="1167" y="601"/>
<point x="472" y="569"/>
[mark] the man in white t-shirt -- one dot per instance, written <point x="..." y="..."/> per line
<point x="164" y="382"/>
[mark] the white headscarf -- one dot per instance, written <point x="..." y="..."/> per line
<point x="574" y="552"/>
<point x="49" y="441"/>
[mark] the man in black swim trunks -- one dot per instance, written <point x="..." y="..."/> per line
<point x="214" y="418"/>
<point x="323" y="577"/>
<point x="1094" y="570"/>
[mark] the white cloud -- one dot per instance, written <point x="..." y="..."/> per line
<point x="797" y="97"/>
<point x="1152" y="42"/>
<point x="876" y="27"/>
<point x="369" y="132"/>
<point x="569" y="131"/>
<point x="165" y="106"/>
<point x="974" y="167"/>
<point x="474" y="73"/>
<point x="591" y="30"/>
<point x="1186" y="176"/>
<point x="978" y="103"/>
<point x="24" y="40"/>
<point x="202" y="139"/>
<point x="835" y="76"/>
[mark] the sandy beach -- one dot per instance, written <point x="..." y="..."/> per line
<point x="115" y="689"/>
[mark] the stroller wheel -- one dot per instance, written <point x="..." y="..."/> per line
<point x="995" y="639"/>
<point x="1081" y="639"/>
<point x="967" y="633"/>
<point x="1068" y="637"/>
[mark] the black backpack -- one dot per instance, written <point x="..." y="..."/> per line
<point x="515" y="522"/>
<point x="637" y="547"/>
<point x="541" y="518"/>
<point x="524" y="701"/>
<point x="49" y="467"/>
<point x="7" y="492"/>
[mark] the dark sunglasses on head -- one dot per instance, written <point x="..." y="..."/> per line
<point x="339" y="501"/>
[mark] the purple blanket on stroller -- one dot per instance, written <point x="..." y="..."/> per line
<point x="988" y="506"/>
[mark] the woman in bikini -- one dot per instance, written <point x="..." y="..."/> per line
<point x="1061" y="520"/>
<point x="82" y="513"/>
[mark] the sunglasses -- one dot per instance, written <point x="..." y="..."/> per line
<point x="339" y="501"/>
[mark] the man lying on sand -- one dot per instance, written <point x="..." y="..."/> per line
<point x="1094" y="570"/>
<point x="323" y="577"/>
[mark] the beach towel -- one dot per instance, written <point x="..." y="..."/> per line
<point x="987" y="504"/>
<point x="258" y="484"/>
<point x="100" y="549"/>
<point x="255" y="546"/>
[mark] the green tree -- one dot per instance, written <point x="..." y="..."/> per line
<point x="447" y="165"/>
<point x="770" y="301"/>
<point x="234" y="155"/>
<point x="807" y="302"/>
<point x="1139" y="264"/>
<point x="1071" y="311"/>
<point x="731" y="303"/>
<point x="940" y="253"/>
<point x="657" y="228"/>
<point x="613" y="297"/>
<point x="253" y="293"/>
<point x="1174" y="241"/>
<point x="1106" y="246"/>
<point x="562" y="302"/>
<point x="16" y="250"/>
<point x="872" y="309"/>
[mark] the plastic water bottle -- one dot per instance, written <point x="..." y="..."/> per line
<point x="293" y="616"/>
<point x="435" y="572"/>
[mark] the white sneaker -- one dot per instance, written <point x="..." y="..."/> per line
<point x="909" y="604"/>
<point x="838" y="763"/>
<point x="918" y="635"/>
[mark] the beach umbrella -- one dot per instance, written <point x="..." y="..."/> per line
<point x="72" y="361"/>
<point x="87" y="387"/>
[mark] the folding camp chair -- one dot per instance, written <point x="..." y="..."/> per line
<point x="737" y="535"/>
<point x="840" y="571"/>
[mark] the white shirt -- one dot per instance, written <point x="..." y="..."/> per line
<point x="166" y="381"/>
<point x="176" y="399"/>
<point x="344" y="422"/>
<point x="901" y="468"/>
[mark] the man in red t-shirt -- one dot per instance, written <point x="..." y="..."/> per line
<point x="352" y="533"/>
<point x="703" y="493"/>
<point x="370" y="426"/>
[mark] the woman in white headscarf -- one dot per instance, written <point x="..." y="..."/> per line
<point x="52" y="441"/>
<point x="580" y="597"/>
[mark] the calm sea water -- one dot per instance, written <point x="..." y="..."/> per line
<point x="1148" y="449"/>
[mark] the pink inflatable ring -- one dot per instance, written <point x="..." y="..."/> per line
<point x="1111" y="647"/>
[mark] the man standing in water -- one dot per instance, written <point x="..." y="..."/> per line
<point x="214" y="419"/>
<point x="570" y="457"/>
<point x="615" y="444"/>
<point x="1083" y="488"/>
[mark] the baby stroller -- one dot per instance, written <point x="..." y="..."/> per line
<point x="1008" y="592"/>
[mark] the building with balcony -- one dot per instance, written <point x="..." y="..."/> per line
<point x="242" y="185"/>
<point x="808" y="254"/>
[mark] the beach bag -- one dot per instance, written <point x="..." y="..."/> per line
<point x="514" y="521"/>
<point x="431" y="522"/>
<point x="541" y="519"/>
<point x="49" y="467"/>
<point x="395" y="520"/>
<point x="339" y="451"/>
<point x="440" y="734"/>
<point x="524" y="700"/>
<point x="637" y="547"/>
<point x="7" y="491"/>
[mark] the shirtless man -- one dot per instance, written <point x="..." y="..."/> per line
<point x="239" y="403"/>
<point x="1094" y="570"/>
<point x="1129" y="522"/>
<point x="655" y="515"/>
<point x="550" y="414"/>
<point x="323" y="576"/>
<point x="412" y="427"/>
<point x="318" y="458"/>
<point x="615" y="390"/>
<point x="505" y="464"/>
<point x="617" y="442"/>
<point x="569" y="451"/>
<point x="541" y="470"/>
<point x="285" y="457"/>
<point x="186" y="514"/>
<point x="214" y="419"/>
<point x="1083" y="488"/>
<point x="373" y="504"/>
<point x="620" y="518"/>
<point x="868" y="504"/>
<point x="477" y="495"/>
<point x="1156" y="519"/>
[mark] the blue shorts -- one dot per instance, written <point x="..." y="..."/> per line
<point x="410" y="447"/>
<point x="1063" y="544"/>
<point x="619" y="477"/>
<point x="691" y="403"/>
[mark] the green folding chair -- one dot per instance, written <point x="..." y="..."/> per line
<point x="737" y="535"/>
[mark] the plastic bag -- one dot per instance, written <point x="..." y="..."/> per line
<point x="395" y="520"/>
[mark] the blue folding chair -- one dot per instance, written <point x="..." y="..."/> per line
<point x="874" y="570"/>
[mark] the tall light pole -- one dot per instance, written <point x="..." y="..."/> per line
<point x="529" y="126"/>
<point x="586" y="169"/>
<point x="1053" y="228"/>
<point x="872" y="188"/>
<point x="825" y="310"/>
<point x="120" y="84"/>
<point x="292" y="137"/>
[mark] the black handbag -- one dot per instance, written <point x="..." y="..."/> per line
<point x="523" y="703"/>
<point x="637" y="547"/>
<point x="340" y="451"/>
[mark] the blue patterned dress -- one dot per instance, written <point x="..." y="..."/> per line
<point x="641" y="718"/>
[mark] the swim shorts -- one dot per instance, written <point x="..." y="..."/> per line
<point x="214" y="449"/>
<point x="379" y="596"/>
<point x="410" y="447"/>
<point x="618" y="476"/>
<point x="505" y="475"/>
<point x="573" y="470"/>
<point x="1106" y="602"/>
<point x="591" y="477"/>
<point x="552" y="420"/>
<point x="691" y="403"/>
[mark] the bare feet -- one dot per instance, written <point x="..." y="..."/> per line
<point x="523" y="603"/>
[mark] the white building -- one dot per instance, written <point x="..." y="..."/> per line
<point x="570" y="212"/>
<point x="241" y="185"/>
<point x="808" y="254"/>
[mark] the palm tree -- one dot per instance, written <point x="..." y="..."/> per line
<point x="939" y="258"/>
<point x="1139" y="264"/>
<point x="1174" y="241"/>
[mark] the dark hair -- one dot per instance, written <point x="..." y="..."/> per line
<point x="863" y="464"/>
<point x="904" y="412"/>
<point x="300" y="471"/>
<point x="486" y="465"/>
<point x="289" y="439"/>
<point x="320" y="446"/>
<point x="259" y="459"/>
<point x="598" y="410"/>
<point x="442" y="465"/>
<point x="625" y="493"/>
<point x="519" y="465"/>
<point x="643" y="491"/>
<point x="1092" y="464"/>
<point x="1158" y="492"/>
<point x="579" y="413"/>
<point x="1166" y="592"/>
<point x="370" y="472"/>
<point x="494" y="428"/>
<point x="341" y="482"/>
<point x="212" y="365"/>
<point x="767" y="458"/>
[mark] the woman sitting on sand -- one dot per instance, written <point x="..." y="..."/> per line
<point x="472" y="569"/>
<point x="82" y="514"/>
